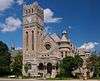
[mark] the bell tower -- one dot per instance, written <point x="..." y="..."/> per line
<point x="32" y="26"/>
<point x="33" y="22"/>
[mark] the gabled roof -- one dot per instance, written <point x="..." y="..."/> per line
<point x="55" y="37"/>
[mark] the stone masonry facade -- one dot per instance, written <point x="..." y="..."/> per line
<point x="42" y="51"/>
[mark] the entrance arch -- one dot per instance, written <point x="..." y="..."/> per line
<point x="41" y="66"/>
<point x="49" y="68"/>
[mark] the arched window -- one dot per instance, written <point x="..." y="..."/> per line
<point x="33" y="10"/>
<point x="66" y="53"/>
<point x="26" y="40"/>
<point x="61" y="54"/>
<point x="49" y="68"/>
<point x="32" y="40"/>
<point x="27" y="66"/>
<point x="27" y="11"/>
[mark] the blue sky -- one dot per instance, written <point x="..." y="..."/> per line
<point x="82" y="16"/>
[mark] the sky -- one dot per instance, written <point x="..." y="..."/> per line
<point x="80" y="18"/>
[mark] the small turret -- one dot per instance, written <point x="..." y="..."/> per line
<point x="64" y="37"/>
<point x="65" y="45"/>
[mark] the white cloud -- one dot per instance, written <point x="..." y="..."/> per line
<point x="89" y="45"/>
<point x="49" y="16"/>
<point x="20" y="2"/>
<point x="11" y="24"/>
<point x="4" y="4"/>
<point x="18" y="48"/>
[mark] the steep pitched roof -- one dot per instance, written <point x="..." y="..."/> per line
<point x="55" y="37"/>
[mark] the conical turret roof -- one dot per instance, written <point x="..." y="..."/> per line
<point x="64" y="37"/>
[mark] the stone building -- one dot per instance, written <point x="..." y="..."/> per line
<point x="42" y="52"/>
<point x="83" y="72"/>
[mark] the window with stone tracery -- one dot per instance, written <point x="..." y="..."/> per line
<point x="47" y="46"/>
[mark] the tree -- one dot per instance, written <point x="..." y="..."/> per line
<point x="91" y="61"/>
<point x="69" y="64"/>
<point x="4" y="59"/>
<point x="97" y="67"/>
<point x="78" y="61"/>
<point x="93" y="64"/>
<point x="16" y="65"/>
<point x="27" y="66"/>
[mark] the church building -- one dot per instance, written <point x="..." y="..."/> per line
<point x="42" y="51"/>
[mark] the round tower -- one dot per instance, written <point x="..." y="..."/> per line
<point x="65" y="45"/>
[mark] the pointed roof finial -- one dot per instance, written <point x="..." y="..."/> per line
<point x="64" y="32"/>
<point x="64" y="37"/>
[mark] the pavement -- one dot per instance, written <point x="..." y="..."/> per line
<point x="2" y="79"/>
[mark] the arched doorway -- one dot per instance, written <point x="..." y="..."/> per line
<point x="27" y="67"/>
<point x="49" y="68"/>
<point x="41" y="66"/>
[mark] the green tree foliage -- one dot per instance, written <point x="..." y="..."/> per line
<point x="16" y="65"/>
<point x="26" y="67"/>
<point x="97" y="67"/>
<point x="78" y="61"/>
<point x="68" y="64"/>
<point x="4" y="59"/>
<point x="93" y="63"/>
